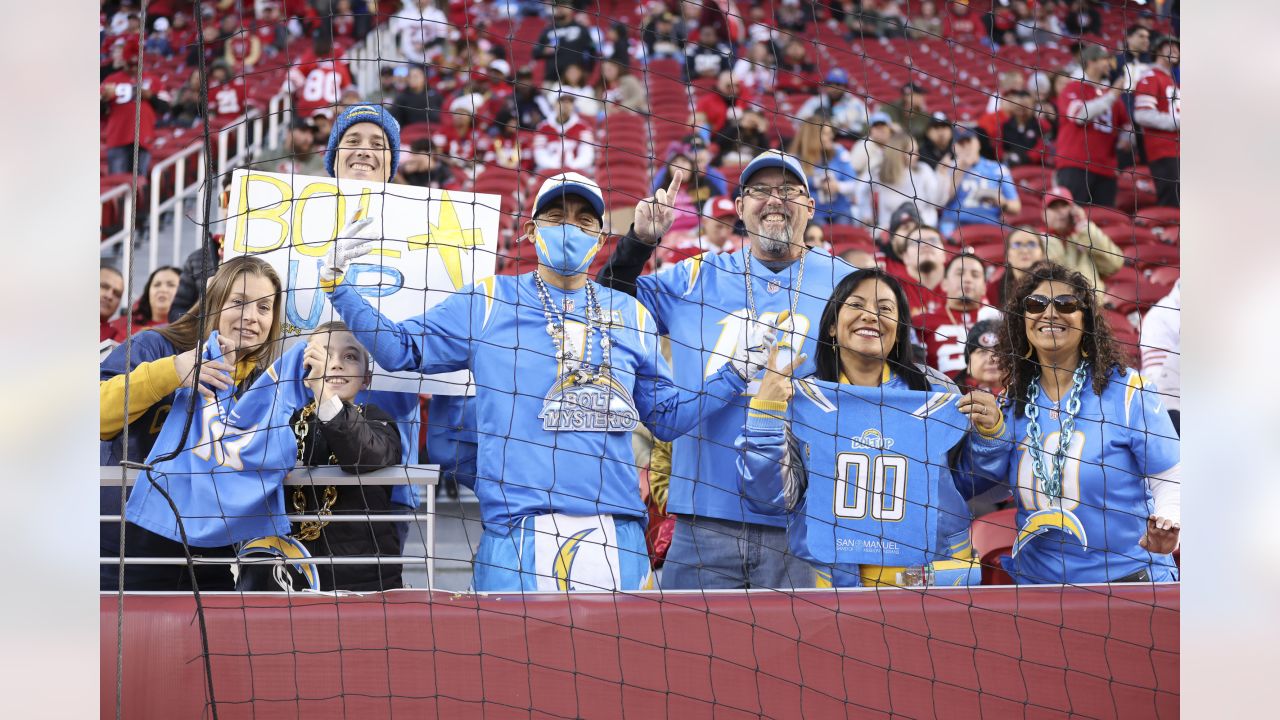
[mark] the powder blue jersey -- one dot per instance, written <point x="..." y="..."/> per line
<point x="1091" y="534"/>
<point x="972" y="204"/>
<point x="225" y="481"/>
<point x="867" y="480"/>
<point x="546" y="444"/>
<point x="701" y="303"/>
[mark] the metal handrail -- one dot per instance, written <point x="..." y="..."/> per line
<point x="365" y="58"/>
<point x="234" y="144"/>
<point x="113" y="475"/>
<point x="426" y="475"/>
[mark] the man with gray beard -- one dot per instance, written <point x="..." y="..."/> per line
<point x="710" y="305"/>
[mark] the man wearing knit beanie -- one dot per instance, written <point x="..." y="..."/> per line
<point x="364" y="145"/>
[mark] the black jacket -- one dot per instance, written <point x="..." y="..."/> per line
<point x="359" y="439"/>
<point x="200" y="265"/>
<point x="560" y="47"/>
<point x="410" y="108"/>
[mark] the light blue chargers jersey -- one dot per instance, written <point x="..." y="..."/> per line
<point x="546" y="444"/>
<point x="225" y="481"/>
<point x="701" y="303"/>
<point x="867" y="480"/>
<point x="967" y="208"/>
<point x="1091" y="533"/>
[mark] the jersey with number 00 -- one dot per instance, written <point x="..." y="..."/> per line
<point x="1119" y="439"/>
<point x="497" y="328"/>
<point x="701" y="303"/>
<point x="877" y="487"/>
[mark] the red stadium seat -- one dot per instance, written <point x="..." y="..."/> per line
<point x="1033" y="176"/>
<point x="979" y="234"/>
<point x="848" y="237"/>
<point x="991" y="253"/>
<point x="1126" y="336"/>
<point x="1126" y="235"/>
<point x="1157" y="216"/>
<point x="1136" y="190"/>
<point x="415" y="131"/>
<point x="733" y="177"/>
<point x="1171" y="235"/>
<point x="1031" y="214"/>
<point x="519" y="258"/>
<point x="1099" y="215"/>
<point x="1164" y="276"/>
<point x="498" y="181"/>
<point x="1150" y="257"/>
<point x="993" y="536"/>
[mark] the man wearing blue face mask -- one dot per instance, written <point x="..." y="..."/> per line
<point x="564" y="370"/>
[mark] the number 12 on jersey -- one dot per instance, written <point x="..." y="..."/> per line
<point x="877" y="485"/>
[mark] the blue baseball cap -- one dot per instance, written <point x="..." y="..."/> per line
<point x="375" y="114"/>
<point x="837" y="76"/>
<point x="962" y="133"/>
<point x="774" y="159"/>
<point x="570" y="183"/>
<point x="879" y="117"/>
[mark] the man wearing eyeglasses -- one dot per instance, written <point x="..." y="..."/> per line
<point x="709" y="306"/>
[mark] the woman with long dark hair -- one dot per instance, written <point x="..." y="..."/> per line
<point x="865" y="331"/>
<point x="243" y="304"/>
<point x="1091" y="456"/>
<point x="152" y="306"/>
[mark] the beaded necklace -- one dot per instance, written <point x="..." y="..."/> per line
<point x="575" y="363"/>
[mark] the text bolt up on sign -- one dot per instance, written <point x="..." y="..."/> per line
<point x="435" y="242"/>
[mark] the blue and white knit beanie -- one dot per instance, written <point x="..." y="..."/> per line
<point x="375" y="114"/>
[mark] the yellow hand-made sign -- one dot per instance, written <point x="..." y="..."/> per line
<point x="435" y="242"/>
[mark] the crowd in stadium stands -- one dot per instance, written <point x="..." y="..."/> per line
<point x="1055" y="186"/>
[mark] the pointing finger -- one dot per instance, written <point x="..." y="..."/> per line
<point x="795" y="365"/>
<point x="677" y="179"/>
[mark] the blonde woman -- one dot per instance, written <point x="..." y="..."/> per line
<point x="901" y="178"/>
<point x="840" y="195"/>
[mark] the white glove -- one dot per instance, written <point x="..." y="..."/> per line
<point x="752" y="354"/>
<point x="355" y="240"/>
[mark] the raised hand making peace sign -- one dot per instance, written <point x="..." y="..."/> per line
<point x="654" y="215"/>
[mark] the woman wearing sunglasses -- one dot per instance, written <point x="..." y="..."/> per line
<point x="1093" y="459"/>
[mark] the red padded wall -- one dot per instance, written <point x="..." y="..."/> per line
<point x="1104" y="652"/>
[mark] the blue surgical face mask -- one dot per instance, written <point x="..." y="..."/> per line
<point x="566" y="249"/>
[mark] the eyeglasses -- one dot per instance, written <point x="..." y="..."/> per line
<point x="1064" y="304"/>
<point x="784" y="192"/>
<point x="1023" y="245"/>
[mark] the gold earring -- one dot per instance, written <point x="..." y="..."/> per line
<point x="1030" y="350"/>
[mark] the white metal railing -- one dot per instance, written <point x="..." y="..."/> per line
<point x="234" y="145"/>
<point x="365" y="59"/>
<point x="425" y="475"/>
<point x="126" y="226"/>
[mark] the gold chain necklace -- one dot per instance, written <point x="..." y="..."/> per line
<point x="309" y="530"/>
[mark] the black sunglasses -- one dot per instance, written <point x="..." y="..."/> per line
<point x="1037" y="304"/>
